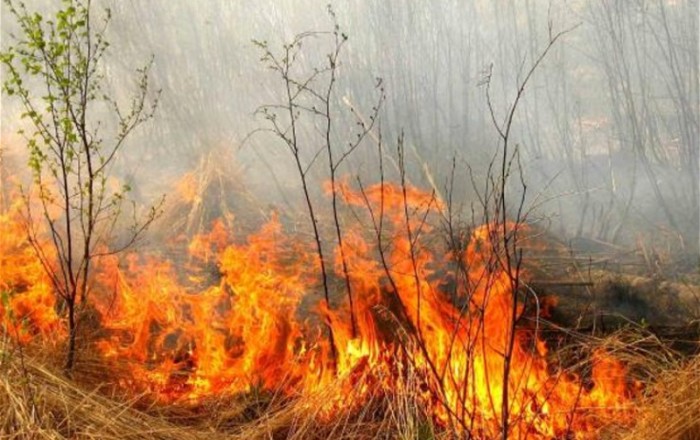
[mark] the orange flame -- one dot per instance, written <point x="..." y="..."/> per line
<point x="27" y="308"/>
<point x="453" y="321"/>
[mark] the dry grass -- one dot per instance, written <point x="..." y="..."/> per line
<point x="671" y="408"/>
<point x="38" y="402"/>
<point x="214" y="190"/>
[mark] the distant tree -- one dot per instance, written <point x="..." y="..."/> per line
<point x="54" y="68"/>
<point x="648" y="53"/>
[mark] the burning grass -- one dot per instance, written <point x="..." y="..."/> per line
<point x="248" y="349"/>
<point x="212" y="191"/>
<point x="38" y="401"/>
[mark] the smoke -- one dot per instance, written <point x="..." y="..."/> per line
<point x="607" y="127"/>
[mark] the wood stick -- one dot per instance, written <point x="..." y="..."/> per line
<point x="542" y="283"/>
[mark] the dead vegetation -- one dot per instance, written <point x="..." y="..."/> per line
<point x="93" y="402"/>
<point x="671" y="406"/>
<point x="213" y="191"/>
<point x="39" y="402"/>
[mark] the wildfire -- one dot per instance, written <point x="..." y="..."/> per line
<point x="26" y="295"/>
<point x="447" y="318"/>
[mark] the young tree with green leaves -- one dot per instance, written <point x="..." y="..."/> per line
<point x="54" y="67"/>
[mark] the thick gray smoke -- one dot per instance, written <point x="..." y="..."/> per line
<point x="607" y="126"/>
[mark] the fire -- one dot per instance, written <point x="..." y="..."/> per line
<point x="261" y="321"/>
<point x="27" y="303"/>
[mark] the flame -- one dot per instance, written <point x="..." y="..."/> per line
<point x="27" y="308"/>
<point x="452" y="320"/>
<point x="186" y="188"/>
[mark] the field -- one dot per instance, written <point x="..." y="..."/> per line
<point x="365" y="220"/>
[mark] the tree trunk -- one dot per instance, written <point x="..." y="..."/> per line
<point x="72" y="333"/>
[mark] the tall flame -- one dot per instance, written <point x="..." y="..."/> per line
<point x="27" y="300"/>
<point x="451" y="319"/>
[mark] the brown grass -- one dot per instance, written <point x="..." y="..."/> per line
<point x="37" y="401"/>
<point x="214" y="190"/>
<point x="671" y="408"/>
